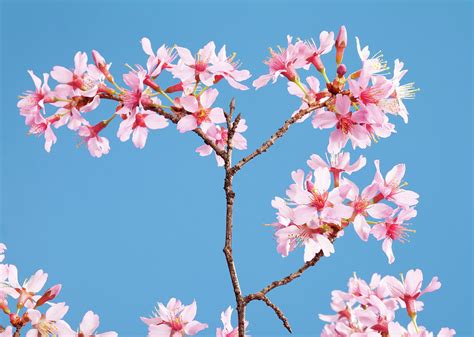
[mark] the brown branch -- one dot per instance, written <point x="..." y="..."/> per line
<point x="275" y="308"/>
<point x="287" y="279"/>
<point x="278" y="134"/>
<point x="17" y="332"/>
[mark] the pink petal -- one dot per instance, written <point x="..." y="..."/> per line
<point x="90" y="322"/>
<point x="61" y="74"/>
<point x="194" y="327"/>
<point x="146" y="45"/>
<point x="216" y="115"/>
<point x="139" y="137"/>
<point x="387" y="248"/>
<point x="154" y="121"/>
<point x="361" y="227"/>
<point x="208" y="98"/>
<point x="187" y="123"/>
<point x="189" y="103"/>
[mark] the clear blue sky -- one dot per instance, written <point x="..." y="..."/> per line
<point x="137" y="226"/>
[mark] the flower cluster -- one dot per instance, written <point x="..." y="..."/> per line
<point x="323" y="202"/>
<point x="34" y="310"/>
<point x="357" y="105"/>
<point x="81" y="90"/>
<point x="176" y="319"/>
<point x="369" y="309"/>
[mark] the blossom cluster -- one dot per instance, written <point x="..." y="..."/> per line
<point x="80" y="90"/>
<point x="357" y="105"/>
<point x="176" y="319"/>
<point x="34" y="309"/>
<point x="369" y="309"/>
<point x="323" y="202"/>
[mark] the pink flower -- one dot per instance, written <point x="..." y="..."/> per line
<point x="96" y="144"/>
<point x="174" y="320"/>
<point x="391" y="186"/>
<point x="393" y="228"/>
<point x="71" y="112"/>
<point x="347" y="125"/>
<point x="228" y="330"/>
<point x="313" y="52"/>
<point x="201" y="113"/>
<point x="199" y="68"/>
<point x="33" y="102"/>
<point x="160" y="61"/>
<point x="25" y="293"/>
<point x="394" y="103"/>
<point x="337" y="164"/>
<point x="219" y="135"/>
<point x="138" y="123"/>
<point x="363" y="206"/>
<point x="84" y="80"/>
<point x="314" y="200"/>
<point x="370" y="65"/>
<point x="284" y="62"/>
<point x="42" y="126"/>
<point x="225" y="67"/>
<point x="366" y="94"/>
<point x="409" y="290"/>
<point x="134" y="97"/>
<point x="310" y="235"/>
<point x="50" y="323"/>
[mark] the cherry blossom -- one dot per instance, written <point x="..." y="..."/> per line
<point x="26" y="293"/>
<point x="284" y="62"/>
<point x="138" y="124"/>
<point x="33" y="102"/>
<point x="84" y="80"/>
<point x="393" y="228"/>
<point x="391" y="186"/>
<point x="409" y="290"/>
<point x="174" y="319"/>
<point x="159" y="61"/>
<point x="50" y="323"/>
<point x="371" y="310"/>
<point x="96" y="144"/>
<point x="347" y="125"/>
<point x="201" y="112"/>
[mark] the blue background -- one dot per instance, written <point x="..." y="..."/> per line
<point x="136" y="227"/>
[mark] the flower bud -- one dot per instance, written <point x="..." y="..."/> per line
<point x="341" y="70"/>
<point x="341" y="43"/>
<point x="174" y="88"/>
<point x="49" y="295"/>
<point x="99" y="62"/>
<point x="149" y="82"/>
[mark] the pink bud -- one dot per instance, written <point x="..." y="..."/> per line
<point x="341" y="70"/>
<point x="148" y="81"/>
<point x="341" y="43"/>
<point x="99" y="62"/>
<point x="174" y="88"/>
<point x="49" y="295"/>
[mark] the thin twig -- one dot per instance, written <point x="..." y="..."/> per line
<point x="277" y="310"/>
<point x="287" y="279"/>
